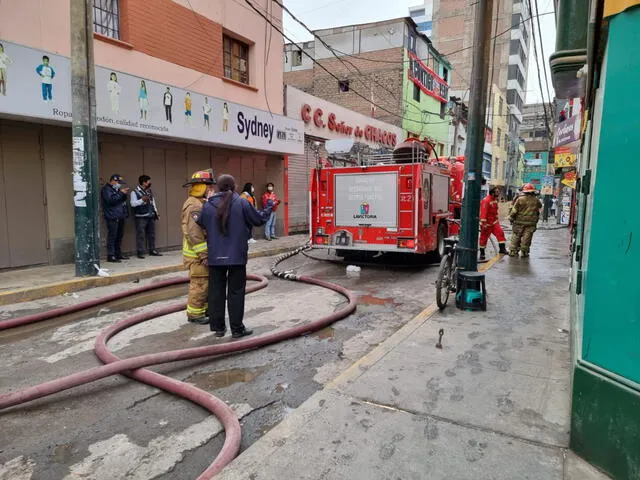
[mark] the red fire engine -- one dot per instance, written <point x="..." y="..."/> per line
<point x="397" y="202"/>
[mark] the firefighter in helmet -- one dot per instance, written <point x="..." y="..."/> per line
<point x="524" y="216"/>
<point x="194" y="245"/>
<point x="489" y="223"/>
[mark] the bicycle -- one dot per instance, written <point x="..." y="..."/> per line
<point x="446" y="283"/>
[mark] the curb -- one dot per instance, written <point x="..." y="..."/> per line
<point x="77" y="284"/>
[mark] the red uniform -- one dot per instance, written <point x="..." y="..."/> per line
<point x="489" y="223"/>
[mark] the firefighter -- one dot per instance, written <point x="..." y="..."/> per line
<point x="524" y="216"/>
<point x="194" y="245"/>
<point x="489" y="222"/>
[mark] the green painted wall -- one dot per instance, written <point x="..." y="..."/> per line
<point x="611" y="325"/>
<point x="423" y="124"/>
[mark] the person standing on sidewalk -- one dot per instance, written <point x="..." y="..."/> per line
<point x="247" y="194"/>
<point x="146" y="214"/>
<point x="270" y="228"/>
<point x="524" y="217"/>
<point x="194" y="245"/>
<point x="227" y="218"/>
<point x="490" y="223"/>
<point x="115" y="211"/>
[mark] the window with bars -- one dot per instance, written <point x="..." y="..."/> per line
<point x="236" y="60"/>
<point x="106" y="18"/>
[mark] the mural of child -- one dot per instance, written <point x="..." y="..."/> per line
<point x="47" y="73"/>
<point x="143" y="100"/>
<point x="114" y="92"/>
<point x="187" y="108"/>
<point x="5" y="61"/>
<point x="225" y="117"/>
<point x="168" y="104"/>
<point x="206" y="110"/>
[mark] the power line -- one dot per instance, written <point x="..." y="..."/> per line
<point x="544" y="64"/>
<point x="535" y="52"/>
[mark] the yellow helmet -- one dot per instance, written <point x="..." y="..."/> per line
<point x="201" y="176"/>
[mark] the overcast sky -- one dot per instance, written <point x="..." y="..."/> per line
<point x="329" y="13"/>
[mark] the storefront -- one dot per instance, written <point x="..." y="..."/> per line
<point x="325" y="121"/>
<point x="144" y="128"/>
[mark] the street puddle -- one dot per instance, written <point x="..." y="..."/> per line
<point x="325" y="334"/>
<point x="226" y="378"/>
<point x="371" y="300"/>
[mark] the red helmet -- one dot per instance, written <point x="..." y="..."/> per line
<point x="528" y="188"/>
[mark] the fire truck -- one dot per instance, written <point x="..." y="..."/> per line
<point x="397" y="202"/>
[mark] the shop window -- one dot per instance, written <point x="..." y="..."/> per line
<point x="296" y="58"/>
<point x="343" y="85"/>
<point x="236" y="60"/>
<point x="106" y="18"/>
<point x="416" y="92"/>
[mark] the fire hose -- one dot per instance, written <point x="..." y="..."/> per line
<point x="134" y="367"/>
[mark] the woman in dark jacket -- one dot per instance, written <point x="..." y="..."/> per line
<point x="228" y="219"/>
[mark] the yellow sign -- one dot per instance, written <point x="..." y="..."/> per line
<point x="613" y="7"/>
<point x="569" y="179"/>
<point x="564" y="159"/>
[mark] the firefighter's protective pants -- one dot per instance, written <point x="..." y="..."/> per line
<point x="197" y="306"/>
<point x="488" y="230"/>
<point x="521" y="238"/>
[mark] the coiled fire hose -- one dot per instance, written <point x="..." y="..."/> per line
<point x="133" y="367"/>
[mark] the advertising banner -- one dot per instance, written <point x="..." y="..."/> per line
<point x="547" y="185"/>
<point x="565" y="157"/>
<point x="569" y="179"/>
<point x="38" y="86"/>
<point x="568" y="131"/>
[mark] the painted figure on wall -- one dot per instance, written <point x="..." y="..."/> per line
<point x="206" y="110"/>
<point x="168" y="104"/>
<point x="225" y="117"/>
<point x="114" y="92"/>
<point x="187" y="108"/>
<point x="5" y="61"/>
<point x="47" y="73"/>
<point x="143" y="100"/>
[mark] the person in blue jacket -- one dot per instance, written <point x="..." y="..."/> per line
<point x="115" y="211"/>
<point x="228" y="219"/>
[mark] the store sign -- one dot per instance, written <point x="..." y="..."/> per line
<point x="569" y="179"/>
<point x="564" y="157"/>
<point x="428" y="81"/>
<point x="327" y="120"/>
<point x="568" y="131"/>
<point x="38" y="86"/>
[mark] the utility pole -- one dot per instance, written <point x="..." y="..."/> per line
<point x="468" y="259"/>
<point x="85" y="140"/>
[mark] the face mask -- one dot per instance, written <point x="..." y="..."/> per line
<point x="253" y="190"/>
<point x="270" y="189"/>
<point x="118" y="186"/>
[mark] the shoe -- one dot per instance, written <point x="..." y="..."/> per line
<point x="513" y="254"/>
<point x="274" y="238"/>
<point x="122" y="257"/>
<point x="113" y="260"/>
<point x="140" y="256"/>
<point x="503" y="249"/>
<point x="199" y="320"/>
<point x="155" y="253"/>
<point x="482" y="255"/>
<point x="268" y="239"/>
<point x="242" y="333"/>
<point x="220" y="333"/>
<point x="251" y="240"/>
<point x="525" y="255"/>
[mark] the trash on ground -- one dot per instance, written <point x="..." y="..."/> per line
<point x="102" y="272"/>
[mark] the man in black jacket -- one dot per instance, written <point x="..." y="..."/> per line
<point x="146" y="214"/>
<point x="114" y="209"/>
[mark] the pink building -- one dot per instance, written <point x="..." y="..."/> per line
<point x="177" y="90"/>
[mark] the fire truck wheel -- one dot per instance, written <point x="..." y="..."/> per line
<point x="439" y="252"/>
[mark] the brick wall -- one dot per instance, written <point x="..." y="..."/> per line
<point x="302" y="79"/>
<point x="383" y="80"/>
<point x="171" y="32"/>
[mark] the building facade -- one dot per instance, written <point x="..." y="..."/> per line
<point x="325" y="121"/>
<point x="385" y="70"/>
<point x="452" y="34"/>
<point x="168" y="104"/>
<point x="500" y="136"/>
<point x="594" y="61"/>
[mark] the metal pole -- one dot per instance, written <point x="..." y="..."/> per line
<point x="85" y="140"/>
<point x="468" y="258"/>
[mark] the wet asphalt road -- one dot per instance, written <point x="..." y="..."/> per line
<point x="117" y="428"/>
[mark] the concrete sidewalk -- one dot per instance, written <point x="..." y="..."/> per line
<point x="492" y="404"/>
<point x="23" y="285"/>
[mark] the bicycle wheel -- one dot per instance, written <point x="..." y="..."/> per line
<point x="443" y="281"/>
